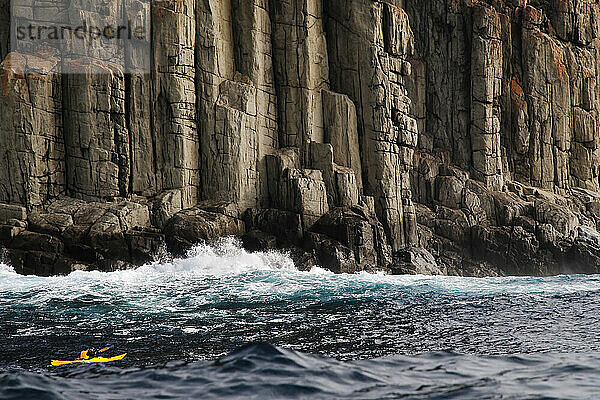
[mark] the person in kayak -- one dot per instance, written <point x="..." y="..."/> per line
<point x="89" y="356"/>
<point x="91" y="353"/>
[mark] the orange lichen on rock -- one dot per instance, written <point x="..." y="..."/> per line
<point x="12" y="68"/>
<point x="559" y="61"/>
<point x="18" y="66"/>
<point x="515" y="87"/>
<point x="532" y="15"/>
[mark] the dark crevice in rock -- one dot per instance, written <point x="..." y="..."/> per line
<point x="413" y="137"/>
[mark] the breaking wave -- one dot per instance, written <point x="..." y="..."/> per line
<point x="225" y="323"/>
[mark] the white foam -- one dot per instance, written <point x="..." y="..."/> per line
<point x="6" y="269"/>
<point x="226" y="260"/>
<point x="226" y="257"/>
<point x="222" y="260"/>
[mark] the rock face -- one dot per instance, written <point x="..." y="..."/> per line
<point x="369" y="63"/>
<point x="32" y="139"/>
<point x="425" y="136"/>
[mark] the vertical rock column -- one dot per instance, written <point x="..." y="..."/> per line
<point x="579" y="23"/>
<point x="371" y="71"/>
<point x="254" y="59"/>
<point x="138" y="92"/>
<point x="341" y="130"/>
<point x="227" y="104"/>
<point x="585" y="145"/>
<point x="486" y="89"/>
<point x="340" y="182"/>
<point x="234" y="147"/>
<point x="441" y="87"/>
<point x="293" y="188"/>
<point x="95" y="129"/>
<point x="174" y="98"/>
<point x="4" y="28"/>
<point x="547" y="92"/>
<point x="31" y="134"/>
<point x="399" y="44"/>
<point x="576" y="21"/>
<point x="301" y="71"/>
<point x="96" y="137"/>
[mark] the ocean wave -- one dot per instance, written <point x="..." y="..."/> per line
<point x="261" y="370"/>
<point x="204" y="306"/>
<point x="227" y="258"/>
<point x="224" y="257"/>
<point x="6" y="269"/>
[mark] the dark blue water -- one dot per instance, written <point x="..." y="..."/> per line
<point x="227" y="324"/>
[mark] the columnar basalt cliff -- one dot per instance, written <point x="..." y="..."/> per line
<point x="437" y="137"/>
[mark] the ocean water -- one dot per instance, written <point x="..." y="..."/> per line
<point x="225" y="324"/>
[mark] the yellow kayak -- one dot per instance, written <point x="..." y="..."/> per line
<point x="84" y="358"/>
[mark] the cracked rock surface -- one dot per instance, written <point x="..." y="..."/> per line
<point x="432" y="137"/>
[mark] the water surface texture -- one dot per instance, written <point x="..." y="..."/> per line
<point x="223" y="323"/>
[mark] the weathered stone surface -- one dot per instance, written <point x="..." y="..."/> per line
<point x="101" y="235"/>
<point x="563" y="220"/>
<point x="50" y="223"/>
<point x="346" y="187"/>
<point x="307" y="195"/>
<point x="525" y="90"/>
<point x="33" y="262"/>
<point x="373" y="79"/>
<point x="97" y="158"/>
<point x="220" y="207"/>
<point x="145" y="245"/>
<point x="31" y="131"/>
<point x="232" y="170"/>
<point x="285" y="225"/>
<point x="4" y="28"/>
<point x="193" y="226"/>
<point x="165" y="205"/>
<point x="37" y="242"/>
<point x="449" y="191"/>
<point x="142" y="140"/>
<point x="300" y="63"/>
<point x="359" y="231"/>
<point x="416" y="261"/>
<point x="254" y="58"/>
<point x="11" y="211"/>
<point x="299" y="190"/>
<point x="174" y="31"/>
<point x="340" y="182"/>
<point x="341" y="130"/>
<point x="257" y="240"/>
<point x="277" y="165"/>
<point x="452" y="224"/>
<point x="575" y="22"/>
<point x="470" y="129"/>
<point x="513" y="249"/>
<point x="397" y="33"/>
<point x="331" y="254"/>
<point x="508" y="207"/>
<point x="486" y="78"/>
<point x="441" y="90"/>
<point x="237" y="100"/>
<point x="8" y="233"/>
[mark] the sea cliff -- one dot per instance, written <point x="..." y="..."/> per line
<point x="438" y="137"/>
